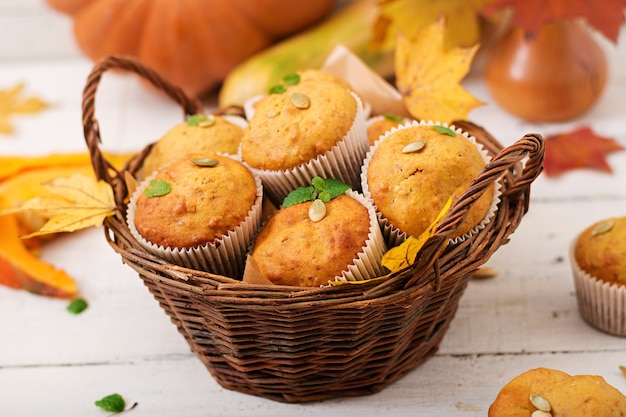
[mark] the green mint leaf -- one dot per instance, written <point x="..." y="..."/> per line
<point x="324" y="196"/>
<point x="318" y="184"/>
<point x="157" y="188"/>
<point x="77" y="306"/>
<point x="195" y="119"/>
<point x="299" y="195"/>
<point x="292" y="79"/>
<point x="444" y="130"/>
<point x="393" y="118"/>
<point x="277" y="89"/>
<point x="335" y="187"/>
<point x="113" y="402"/>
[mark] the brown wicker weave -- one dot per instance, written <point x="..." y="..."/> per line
<point x="300" y="344"/>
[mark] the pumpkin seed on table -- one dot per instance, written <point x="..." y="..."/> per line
<point x="485" y="272"/>
<point x="300" y="100"/>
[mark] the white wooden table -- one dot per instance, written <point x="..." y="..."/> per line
<point x="53" y="363"/>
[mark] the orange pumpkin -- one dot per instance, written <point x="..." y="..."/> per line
<point x="191" y="43"/>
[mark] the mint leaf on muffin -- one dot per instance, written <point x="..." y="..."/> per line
<point x="321" y="189"/>
<point x="293" y="78"/>
<point x="200" y="120"/>
<point x="444" y="130"/>
<point x="393" y="118"/>
<point x="157" y="188"/>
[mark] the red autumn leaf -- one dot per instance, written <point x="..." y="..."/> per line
<point x="580" y="148"/>
<point x="606" y="16"/>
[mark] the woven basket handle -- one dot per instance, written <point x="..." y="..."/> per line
<point x="505" y="166"/>
<point x="102" y="168"/>
<point x="531" y="146"/>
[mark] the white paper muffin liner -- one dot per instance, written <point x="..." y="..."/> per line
<point x="342" y="162"/>
<point x="225" y="256"/>
<point x="394" y="236"/>
<point x="368" y="263"/>
<point x="601" y="304"/>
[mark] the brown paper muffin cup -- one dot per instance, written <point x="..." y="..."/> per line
<point x="225" y="256"/>
<point x="342" y="162"/>
<point x="601" y="304"/>
<point x="394" y="236"/>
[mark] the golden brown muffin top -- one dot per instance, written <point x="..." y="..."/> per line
<point x="293" y="250"/>
<point x="600" y="250"/>
<point x="381" y="126"/>
<point x="204" y="202"/>
<point x="567" y="396"/>
<point x="317" y="75"/>
<point x="282" y="135"/>
<point x="216" y="136"/>
<point x="410" y="189"/>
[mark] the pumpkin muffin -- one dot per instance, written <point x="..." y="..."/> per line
<point x="317" y="75"/>
<point x="377" y="126"/>
<point x="346" y="244"/>
<point x="314" y="128"/>
<point x="598" y="260"/>
<point x="199" y="134"/>
<point x="195" y="208"/>
<point x="412" y="172"/>
<point x="558" y="394"/>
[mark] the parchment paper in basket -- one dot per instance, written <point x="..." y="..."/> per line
<point x="371" y="87"/>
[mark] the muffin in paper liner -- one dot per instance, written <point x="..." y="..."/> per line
<point x="367" y="264"/>
<point x="171" y="146"/>
<point x="342" y="162"/>
<point x="393" y="235"/>
<point x="602" y="304"/>
<point x="224" y="256"/>
<point x="373" y="120"/>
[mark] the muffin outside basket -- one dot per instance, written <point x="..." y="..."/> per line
<point x="294" y="344"/>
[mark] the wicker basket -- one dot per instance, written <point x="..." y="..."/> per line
<point x="301" y="344"/>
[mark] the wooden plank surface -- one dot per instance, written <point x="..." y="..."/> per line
<point x="56" y="364"/>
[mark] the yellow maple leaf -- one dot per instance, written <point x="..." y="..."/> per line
<point x="12" y="102"/>
<point x="411" y="250"/>
<point x="410" y="16"/>
<point x="405" y="254"/>
<point x="428" y="77"/>
<point x="75" y="203"/>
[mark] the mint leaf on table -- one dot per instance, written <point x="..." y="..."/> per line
<point x="113" y="402"/>
<point x="77" y="306"/>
